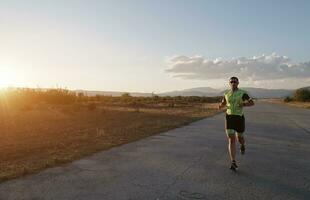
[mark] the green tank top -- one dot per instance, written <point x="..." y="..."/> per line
<point x="233" y="101"/>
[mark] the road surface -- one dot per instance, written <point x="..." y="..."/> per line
<point x="187" y="163"/>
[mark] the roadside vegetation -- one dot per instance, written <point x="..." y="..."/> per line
<point x="42" y="128"/>
<point x="300" y="98"/>
<point x="301" y="95"/>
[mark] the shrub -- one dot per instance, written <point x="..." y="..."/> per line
<point x="302" y="94"/>
<point x="126" y="95"/>
<point x="171" y="105"/>
<point x="59" y="96"/>
<point x="136" y="105"/>
<point x="288" y="99"/>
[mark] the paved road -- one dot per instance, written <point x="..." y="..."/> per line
<point x="189" y="163"/>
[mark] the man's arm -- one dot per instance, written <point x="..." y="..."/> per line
<point x="222" y="104"/>
<point x="248" y="99"/>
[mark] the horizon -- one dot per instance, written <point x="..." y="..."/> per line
<point x="158" y="47"/>
<point x="90" y="90"/>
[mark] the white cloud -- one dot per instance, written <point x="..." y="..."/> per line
<point x="256" y="69"/>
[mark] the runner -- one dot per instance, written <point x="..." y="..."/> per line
<point x="234" y="100"/>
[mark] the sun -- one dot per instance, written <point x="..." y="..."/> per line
<point x="7" y="78"/>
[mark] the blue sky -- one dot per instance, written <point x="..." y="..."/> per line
<point x="129" y="45"/>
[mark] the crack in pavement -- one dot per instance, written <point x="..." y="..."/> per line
<point x="179" y="176"/>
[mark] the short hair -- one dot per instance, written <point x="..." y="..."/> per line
<point x="233" y="77"/>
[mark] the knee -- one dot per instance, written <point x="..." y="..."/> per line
<point x="232" y="139"/>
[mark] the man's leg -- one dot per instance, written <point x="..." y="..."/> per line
<point x="242" y="142"/>
<point x="231" y="135"/>
<point x="241" y="139"/>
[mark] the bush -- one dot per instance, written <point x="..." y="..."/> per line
<point x="59" y="96"/>
<point x="288" y="99"/>
<point x="126" y="95"/>
<point x="302" y="95"/>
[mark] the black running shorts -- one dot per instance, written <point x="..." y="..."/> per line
<point x="235" y="122"/>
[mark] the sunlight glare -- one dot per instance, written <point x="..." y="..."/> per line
<point x="7" y="78"/>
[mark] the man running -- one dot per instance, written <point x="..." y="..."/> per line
<point x="234" y="100"/>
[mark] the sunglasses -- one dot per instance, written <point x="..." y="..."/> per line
<point x="233" y="81"/>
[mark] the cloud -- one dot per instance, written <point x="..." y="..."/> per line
<point x="255" y="69"/>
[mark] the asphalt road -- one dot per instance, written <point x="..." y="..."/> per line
<point x="187" y="163"/>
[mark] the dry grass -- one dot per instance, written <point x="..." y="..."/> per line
<point x="41" y="136"/>
<point x="291" y="103"/>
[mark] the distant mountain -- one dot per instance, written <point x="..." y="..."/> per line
<point x="203" y="91"/>
<point x="198" y="91"/>
<point x="113" y="93"/>
<point x="267" y="93"/>
<point x="211" y="92"/>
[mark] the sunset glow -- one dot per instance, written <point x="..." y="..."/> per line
<point x="8" y="78"/>
<point x="141" y="47"/>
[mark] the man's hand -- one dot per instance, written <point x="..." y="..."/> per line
<point x="249" y="103"/>
<point x="221" y="105"/>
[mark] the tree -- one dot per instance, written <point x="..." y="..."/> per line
<point x="126" y="94"/>
<point x="302" y="94"/>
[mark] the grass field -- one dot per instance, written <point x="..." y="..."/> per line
<point x="44" y="135"/>
<point x="291" y="103"/>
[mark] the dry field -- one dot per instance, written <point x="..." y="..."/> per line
<point x="291" y="103"/>
<point x="44" y="135"/>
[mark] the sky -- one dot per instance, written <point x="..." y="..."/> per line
<point x="154" y="46"/>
